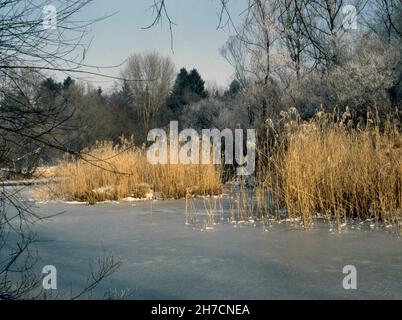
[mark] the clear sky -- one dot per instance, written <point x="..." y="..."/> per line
<point x="196" y="38"/>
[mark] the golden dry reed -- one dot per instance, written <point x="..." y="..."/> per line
<point x="110" y="172"/>
<point x="330" y="167"/>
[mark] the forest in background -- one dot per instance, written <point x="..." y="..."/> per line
<point x="287" y="53"/>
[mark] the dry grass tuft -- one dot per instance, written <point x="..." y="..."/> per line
<point x="109" y="172"/>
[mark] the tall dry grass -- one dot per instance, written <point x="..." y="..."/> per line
<point x="110" y="172"/>
<point x="331" y="167"/>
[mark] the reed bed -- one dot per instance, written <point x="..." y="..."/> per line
<point x="114" y="172"/>
<point x="334" y="168"/>
<point x="329" y="167"/>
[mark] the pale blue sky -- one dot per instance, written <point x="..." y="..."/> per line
<point x="196" y="38"/>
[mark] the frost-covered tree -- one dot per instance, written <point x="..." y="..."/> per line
<point x="149" y="96"/>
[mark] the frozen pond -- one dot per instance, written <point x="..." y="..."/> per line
<point x="162" y="258"/>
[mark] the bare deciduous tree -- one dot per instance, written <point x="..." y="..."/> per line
<point x="149" y="97"/>
<point x="27" y="51"/>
